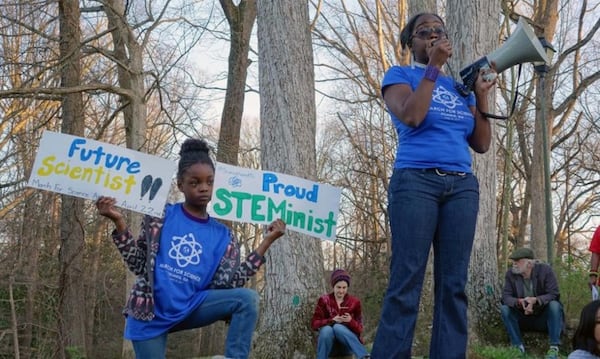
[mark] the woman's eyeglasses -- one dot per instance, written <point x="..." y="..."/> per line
<point x="425" y="32"/>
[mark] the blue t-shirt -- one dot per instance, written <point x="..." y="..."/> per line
<point x="189" y="254"/>
<point x="440" y="141"/>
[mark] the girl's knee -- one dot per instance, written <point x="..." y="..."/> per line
<point x="250" y="298"/>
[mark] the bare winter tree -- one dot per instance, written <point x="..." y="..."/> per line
<point x="71" y="282"/>
<point x="294" y="273"/>
<point x="571" y="134"/>
<point x="129" y="54"/>
<point x="241" y="19"/>
<point x="542" y="233"/>
<point x="26" y="244"/>
<point x="104" y="84"/>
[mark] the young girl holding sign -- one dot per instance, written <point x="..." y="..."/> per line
<point x="188" y="266"/>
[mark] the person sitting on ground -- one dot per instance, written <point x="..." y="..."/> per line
<point x="531" y="301"/>
<point x="586" y="341"/>
<point x="338" y="318"/>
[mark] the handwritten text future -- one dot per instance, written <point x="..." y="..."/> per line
<point x="104" y="168"/>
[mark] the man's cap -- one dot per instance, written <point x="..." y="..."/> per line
<point x="521" y="253"/>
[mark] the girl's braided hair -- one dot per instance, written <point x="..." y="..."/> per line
<point x="193" y="151"/>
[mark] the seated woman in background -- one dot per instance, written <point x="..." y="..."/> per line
<point x="338" y="318"/>
<point x="586" y="341"/>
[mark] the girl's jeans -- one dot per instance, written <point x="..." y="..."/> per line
<point x="240" y="305"/>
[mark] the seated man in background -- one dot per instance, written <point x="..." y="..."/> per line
<point x="338" y="318"/>
<point x="530" y="301"/>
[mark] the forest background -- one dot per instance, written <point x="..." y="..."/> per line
<point x="147" y="75"/>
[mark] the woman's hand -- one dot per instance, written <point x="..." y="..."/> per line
<point x="439" y="51"/>
<point x="346" y="317"/>
<point x="485" y="81"/>
<point x="480" y="139"/>
<point x="342" y="318"/>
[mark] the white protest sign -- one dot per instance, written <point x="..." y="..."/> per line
<point x="247" y="195"/>
<point x="88" y="169"/>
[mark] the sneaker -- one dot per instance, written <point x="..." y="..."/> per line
<point x="552" y="353"/>
<point x="519" y="348"/>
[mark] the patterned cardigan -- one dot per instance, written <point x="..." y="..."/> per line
<point x="139" y="256"/>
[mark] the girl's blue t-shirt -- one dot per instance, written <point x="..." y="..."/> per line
<point x="441" y="140"/>
<point x="189" y="254"/>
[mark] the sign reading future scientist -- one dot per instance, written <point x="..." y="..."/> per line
<point x="246" y="195"/>
<point x="88" y="169"/>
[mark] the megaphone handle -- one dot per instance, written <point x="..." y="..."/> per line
<point x="512" y="106"/>
<point x="469" y="73"/>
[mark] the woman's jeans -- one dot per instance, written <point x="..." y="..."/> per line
<point x="426" y="209"/>
<point x="347" y="340"/>
<point x="549" y="320"/>
<point x="240" y="305"/>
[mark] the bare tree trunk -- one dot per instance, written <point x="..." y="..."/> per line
<point x="129" y="55"/>
<point x="29" y="269"/>
<point x="13" y="317"/>
<point x="71" y="282"/>
<point x="473" y="26"/>
<point x="542" y="234"/>
<point x="91" y="291"/>
<point x="538" y="209"/>
<point x="241" y="20"/>
<point x="418" y="6"/>
<point x="288" y="125"/>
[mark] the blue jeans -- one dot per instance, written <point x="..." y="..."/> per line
<point x="328" y="335"/>
<point x="550" y="320"/>
<point x="428" y="209"/>
<point x="240" y="305"/>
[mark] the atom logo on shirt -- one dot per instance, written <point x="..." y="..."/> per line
<point x="185" y="250"/>
<point x="443" y="96"/>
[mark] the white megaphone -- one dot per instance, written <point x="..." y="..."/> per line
<point x="522" y="46"/>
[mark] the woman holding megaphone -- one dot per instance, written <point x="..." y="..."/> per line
<point x="433" y="193"/>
